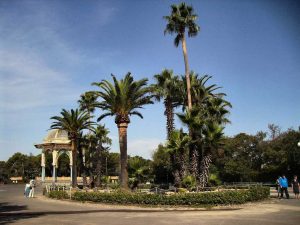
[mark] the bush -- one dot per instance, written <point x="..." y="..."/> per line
<point x="58" y="194"/>
<point x="189" y="182"/>
<point x="192" y="199"/>
<point x="214" y="180"/>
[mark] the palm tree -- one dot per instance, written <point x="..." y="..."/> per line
<point x="96" y="142"/>
<point x="209" y="107"/>
<point x="167" y="88"/>
<point x="192" y="119"/>
<point x="182" y="17"/>
<point x="73" y="121"/>
<point x="177" y="148"/>
<point x="88" y="103"/>
<point x="121" y="99"/>
<point x="139" y="169"/>
<point x="101" y="139"/>
<point x="200" y="91"/>
<point x="213" y="137"/>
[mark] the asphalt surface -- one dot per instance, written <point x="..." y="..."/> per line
<point x="16" y="209"/>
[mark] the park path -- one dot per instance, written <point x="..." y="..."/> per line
<point x="15" y="209"/>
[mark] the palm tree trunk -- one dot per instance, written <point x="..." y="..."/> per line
<point x="84" y="178"/>
<point x="99" y="166"/>
<point x="182" y="166"/>
<point x="187" y="72"/>
<point x="175" y="170"/>
<point x="194" y="161"/>
<point x="122" y="127"/>
<point x="82" y="167"/>
<point x="170" y="116"/>
<point x="74" y="164"/>
<point x="204" y="168"/>
<point x="91" y="175"/>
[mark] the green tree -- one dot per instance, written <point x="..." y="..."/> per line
<point x="15" y="165"/>
<point x="3" y="173"/>
<point x="73" y="121"/>
<point x="113" y="163"/>
<point x="182" y="17"/>
<point x="242" y="158"/>
<point x="122" y="99"/>
<point x="166" y="87"/>
<point x="139" y="169"/>
<point x="161" y="164"/>
<point x="98" y="152"/>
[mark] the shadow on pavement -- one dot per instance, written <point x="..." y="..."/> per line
<point x="10" y="217"/>
<point x="6" y="207"/>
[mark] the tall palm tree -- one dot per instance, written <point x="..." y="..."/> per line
<point x="200" y="91"/>
<point x="202" y="94"/>
<point x="182" y="17"/>
<point x="167" y="88"/>
<point x="88" y="103"/>
<point x="121" y="99"/>
<point x="102" y="139"/>
<point x="73" y="121"/>
<point x="209" y="107"/>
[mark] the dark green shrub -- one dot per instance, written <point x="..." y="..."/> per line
<point x="194" y="199"/>
<point x="189" y="182"/>
<point x="58" y="194"/>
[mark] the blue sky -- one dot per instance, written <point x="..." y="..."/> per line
<point x="51" y="51"/>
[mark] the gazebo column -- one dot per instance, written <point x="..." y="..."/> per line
<point x="71" y="165"/>
<point x="54" y="164"/>
<point x="43" y="165"/>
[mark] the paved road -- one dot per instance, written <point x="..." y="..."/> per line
<point x="15" y="209"/>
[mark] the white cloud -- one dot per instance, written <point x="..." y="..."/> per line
<point x="27" y="82"/>
<point x="143" y="147"/>
<point x="37" y="62"/>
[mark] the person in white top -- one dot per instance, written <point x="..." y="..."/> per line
<point x="32" y="186"/>
<point x="27" y="190"/>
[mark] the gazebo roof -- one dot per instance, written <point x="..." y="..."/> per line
<point x="55" y="139"/>
<point x="57" y="136"/>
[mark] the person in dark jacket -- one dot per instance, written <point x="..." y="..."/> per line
<point x="295" y="187"/>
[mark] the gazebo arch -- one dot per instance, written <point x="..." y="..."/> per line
<point x="56" y="142"/>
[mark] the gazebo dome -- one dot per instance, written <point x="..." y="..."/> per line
<point x="57" y="136"/>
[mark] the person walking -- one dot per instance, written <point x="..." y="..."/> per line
<point x="284" y="187"/>
<point x="27" y="190"/>
<point x="32" y="186"/>
<point x="295" y="187"/>
<point x="278" y="189"/>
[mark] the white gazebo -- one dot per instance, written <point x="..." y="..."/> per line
<point x="57" y="143"/>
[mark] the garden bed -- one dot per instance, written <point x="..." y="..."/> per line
<point x="226" y="197"/>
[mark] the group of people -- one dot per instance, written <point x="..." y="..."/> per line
<point x="282" y="187"/>
<point x="29" y="189"/>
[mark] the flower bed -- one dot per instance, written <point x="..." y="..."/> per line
<point x="183" y="199"/>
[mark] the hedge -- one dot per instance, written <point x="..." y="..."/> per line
<point x="226" y="197"/>
<point x="58" y="194"/>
